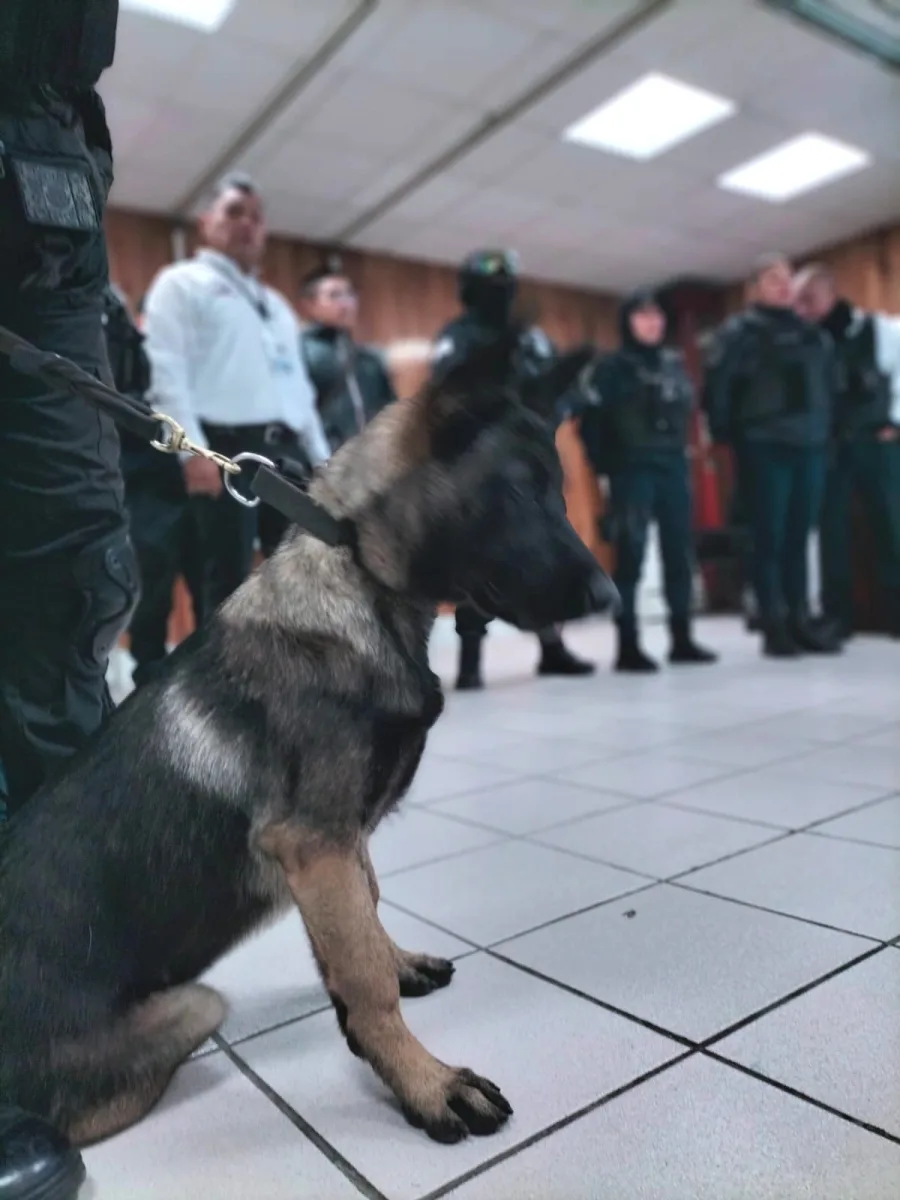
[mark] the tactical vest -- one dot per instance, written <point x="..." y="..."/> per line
<point x="128" y="359"/>
<point x="653" y="409"/>
<point x="777" y="374"/>
<point x="864" y="392"/>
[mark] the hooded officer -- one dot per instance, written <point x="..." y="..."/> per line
<point x="865" y="453"/>
<point x="488" y="287"/>
<point x="164" y="526"/>
<point x="636" y="432"/>
<point x="769" y="394"/>
<point x="351" y="381"/>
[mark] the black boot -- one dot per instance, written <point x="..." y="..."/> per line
<point x="36" y="1162"/>
<point x="893" y="613"/>
<point x="469" y="678"/>
<point x="752" y="622"/>
<point x="631" y="658"/>
<point x="684" y="648"/>
<point x="814" y="637"/>
<point x="557" y="659"/>
<point x="778" y="643"/>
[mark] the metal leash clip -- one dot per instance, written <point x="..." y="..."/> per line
<point x="178" y="442"/>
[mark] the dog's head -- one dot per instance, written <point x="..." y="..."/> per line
<point x="458" y="494"/>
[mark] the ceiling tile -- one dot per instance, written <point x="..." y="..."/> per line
<point x="581" y="17"/>
<point x="295" y="27"/>
<point x="490" y="161"/>
<point x="726" y="145"/>
<point x="591" y="87"/>
<point x="496" y="209"/>
<point x="434" y="198"/>
<point x="374" y="114"/>
<point x="216" y="66"/>
<point x="450" y="49"/>
<point x="152" y="57"/>
<point x="743" y="59"/>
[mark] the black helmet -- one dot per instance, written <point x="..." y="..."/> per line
<point x="488" y="282"/>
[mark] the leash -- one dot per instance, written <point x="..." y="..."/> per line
<point x="278" y="484"/>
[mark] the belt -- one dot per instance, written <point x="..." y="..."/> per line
<point x="270" y="434"/>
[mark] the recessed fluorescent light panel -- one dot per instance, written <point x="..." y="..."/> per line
<point x="795" y="167"/>
<point x="650" y="117"/>
<point x="206" y="15"/>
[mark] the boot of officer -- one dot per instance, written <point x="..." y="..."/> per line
<point x="488" y="287"/>
<point x="769" y="394"/>
<point x="636" y="431"/>
<point x="865" y="451"/>
<point x="68" y="570"/>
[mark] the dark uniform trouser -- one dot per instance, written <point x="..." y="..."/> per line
<point x="785" y="485"/>
<point x="165" y="534"/>
<point x="228" y="530"/>
<point x="68" y="575"/>
<point x="873" y="469"/>
<point x="472" y="623"/>
<point x="654" y="491"/>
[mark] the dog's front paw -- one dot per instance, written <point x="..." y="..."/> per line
<point x="465" y="1104"/>
<point x="419" y="974"/>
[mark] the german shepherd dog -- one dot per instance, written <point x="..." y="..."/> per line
<point x="251" y="774"/>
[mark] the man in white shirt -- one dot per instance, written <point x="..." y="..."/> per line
<point x="224" y="351"/>
<point x="865" y="454"/>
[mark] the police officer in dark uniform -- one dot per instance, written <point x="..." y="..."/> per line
<point x="164" y="526"/>
<point x="69" y="577"/>
<point x="351" y="381"/>
<point x="488" y="285"/>
<point x="865" y="451"/>
<point x="635" y="430"/>
<point x="769" y="394"/>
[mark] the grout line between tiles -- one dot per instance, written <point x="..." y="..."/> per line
<point x="798" y="1095"/>
<point x="685" y="1042"/>
<point x="777" y="912"/>
<point x="526" y="1144"/>
<point x="324" y="1008"/>
<point x="706" y="1043"/>
<point x="337" y="1160"/>
<point x="646" y="886"/>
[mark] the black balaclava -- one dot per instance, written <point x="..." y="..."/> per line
<point x="488" y="284"/>
<point x="629" y="306"/>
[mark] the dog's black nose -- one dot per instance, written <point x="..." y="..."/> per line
<point x="602" y="593"/>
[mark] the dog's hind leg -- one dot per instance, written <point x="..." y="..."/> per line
<point x="419" y="974"/>
<point x="112" y="1081"/>
<point x="358" y="966"/>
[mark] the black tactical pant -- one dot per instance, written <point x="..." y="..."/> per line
<point x="68" y="576"/>
<point x="229" y="530"/>
<point x="640" y="493"/>
<point x="166" y="535"/>
<point x="871" y="469"/>
<point x="785" y="495"/>
<point x="472" y="623"/>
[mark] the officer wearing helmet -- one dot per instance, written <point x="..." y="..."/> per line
<point x="488" y="287"/>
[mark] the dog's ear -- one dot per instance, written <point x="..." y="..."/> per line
<point x="571" y="372"/>
<point x="472" y="370"/>
<point x="468" y="390"/>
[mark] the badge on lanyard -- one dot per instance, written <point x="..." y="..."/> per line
<point x="278" y="352"/>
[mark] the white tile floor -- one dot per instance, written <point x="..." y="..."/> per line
<point x="676" y="906"/>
